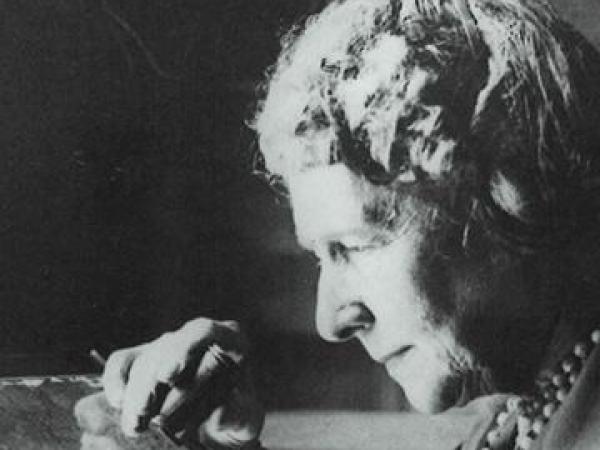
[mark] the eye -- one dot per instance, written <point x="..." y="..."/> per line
<point x="337" y="251"/>
<point x="340" y="252"/>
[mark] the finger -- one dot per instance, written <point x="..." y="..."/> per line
<point x="184" y="408"/>
<point x="214" y="374"/>
<point x="199" y="333"/>
<point x="94" y="414"/>
<point x="238" y="422"/>
<point x="146" y="388"/>
<point x="93" y="442"/>
<point x="187" y="407"/>
<point x="116" y="373"/>
<point x="175" y="359"/>
<point x="183" y="352"/>
<point x="139" y="396"/>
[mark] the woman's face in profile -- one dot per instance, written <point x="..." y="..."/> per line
<point x="430" y="319"/>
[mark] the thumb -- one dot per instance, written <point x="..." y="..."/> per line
<point x="94" y="414"/>
<point x="93" y="442"/>
<point x="237" y="422"/>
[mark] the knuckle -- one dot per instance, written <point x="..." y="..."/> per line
<point x="232" y="325"/>
<point x="116" y="360"/>
<point x="164" y="344"/>
<point x="143" y="367"/>
<point x="169" y="349"/>
<point x="114" y="397"/>
<point x="169" y="372"/>
<point x="115" y="365"/>
<point x="235" y="336"/>
<point x="164" y="337"/>
<point x="199" y="326"/>
<point x="116" y="374"/>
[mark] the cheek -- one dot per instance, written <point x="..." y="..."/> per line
<point x="386" y="277"/>
<point x="431" y="276"/>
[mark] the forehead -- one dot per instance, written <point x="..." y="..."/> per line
<point x="329" y="202"/>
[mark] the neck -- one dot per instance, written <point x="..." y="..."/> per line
<point x="564" y="337"/>
<point x="573" y="290"/>
<point x="539" y="346"/>
<point x="572" y="326"/>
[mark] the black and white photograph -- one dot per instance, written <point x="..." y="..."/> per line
<point x="300" y="224"/>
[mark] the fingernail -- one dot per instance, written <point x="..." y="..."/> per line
<point x="133" y="425"/>
<point x="114" y="398"/>
<point x="158" y="420"/>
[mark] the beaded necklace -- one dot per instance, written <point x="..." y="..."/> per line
<point x="534" y="411"/>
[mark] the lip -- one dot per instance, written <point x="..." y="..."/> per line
<point x="396" y="353"/>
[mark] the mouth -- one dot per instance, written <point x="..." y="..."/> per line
<point x="396" y="354"/>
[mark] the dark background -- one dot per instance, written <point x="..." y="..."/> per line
<point x="127" y="202"/>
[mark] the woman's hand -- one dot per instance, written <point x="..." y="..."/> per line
<point x="180" y="372"/>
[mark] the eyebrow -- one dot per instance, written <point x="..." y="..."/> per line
<point x="351" y="239"/>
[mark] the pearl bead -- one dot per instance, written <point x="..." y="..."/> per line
<point x="561" y="395"/>
<point x="568" y="365"/>
<point x="523" y="424"/>
<point x="493" y="438"/>
<point x="549" y="394"/>
<point x="538" y="424"/>
<point x="596" y="336"/>
<point x="572" y="378"/>
<point x="581" y="350"/>
<point x="549" y="409"/>
<point x="554" y="390"/>
<point x="525" y="443"/>
<point x="559" y="380"/>
<point x="501" y="419"/>
<point x="514" y="403"/>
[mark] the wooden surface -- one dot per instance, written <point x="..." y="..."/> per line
<point x="37" y="413"/>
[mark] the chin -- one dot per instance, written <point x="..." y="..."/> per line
<point x="432" y="396"/>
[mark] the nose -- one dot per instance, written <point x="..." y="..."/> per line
<point x="340" y="314"/>
<point x="350" y="319"/>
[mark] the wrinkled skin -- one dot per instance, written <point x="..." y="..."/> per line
<point x="434" y="319"/>
<point x="135" y="380"/>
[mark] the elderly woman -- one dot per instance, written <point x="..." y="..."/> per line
<point x="441" y="162"/>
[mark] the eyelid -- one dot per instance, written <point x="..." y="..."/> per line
<point x="360" y="247"/>
<point x="377" y="242"/>
<point x="339" y="249"/>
